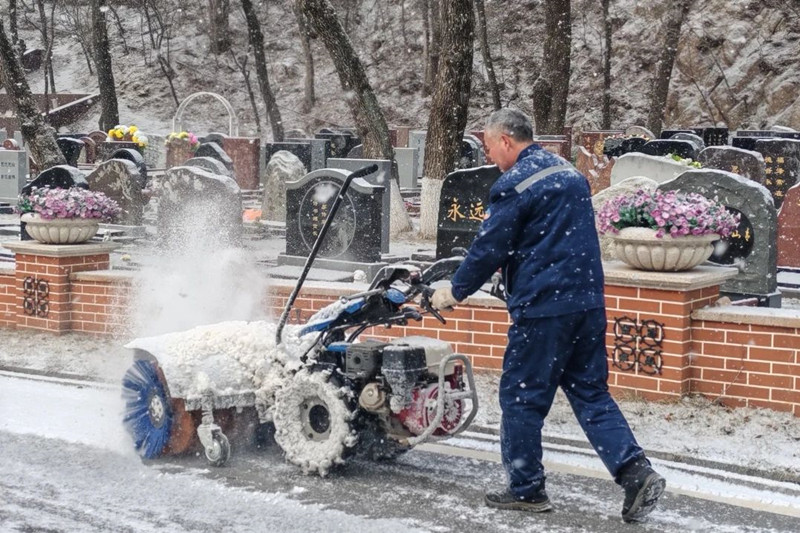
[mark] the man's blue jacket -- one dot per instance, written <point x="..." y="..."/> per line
<point x="541" y="232"/>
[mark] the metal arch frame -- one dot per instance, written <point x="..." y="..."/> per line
<point x="233" y="121"/>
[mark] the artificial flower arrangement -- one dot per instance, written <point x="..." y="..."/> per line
<point x="672" y="212"/>
<point x="68" y="203"/>
<point x="184" y="137"/>
<point x="688" y="162"/>
<point x="127" y="133"/>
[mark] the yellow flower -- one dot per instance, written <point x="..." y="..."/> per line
<point x="133" y="129"/>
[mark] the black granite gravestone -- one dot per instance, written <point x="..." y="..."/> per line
<point x="213" y="150"/>
<point x="354" y="235"/>
<point x="462" y="207"/>
<point x="743" y="162"/>
<point x="135" y="157"/>
<point x="217" y="138"/>
<point x="714" y="136"/>
<point x="662" y="147"/>
<point x="341" y="142"/>
<point x="668" y="134"/>
<point x="782" y="160"/>
<point x="215" y="166"/>
<point x="615" y="146"/>
<point x="71" y="148"/>
<point x="752" y="247"/>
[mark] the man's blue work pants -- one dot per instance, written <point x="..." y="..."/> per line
<point x="542" y="354"/>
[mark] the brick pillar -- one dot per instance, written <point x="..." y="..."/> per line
<point x="42" y="280"/>
<point x="649" y="334"/>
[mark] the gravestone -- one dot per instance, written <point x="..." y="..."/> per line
<point x="120" y="180"/>
<point x="462" y="207"/>
<point x="746" y="139"/>
<point x="155" y="154"/>
<point x="752" y="247"/>
<point x="356" y="153"/>
<point x="58" y="177"/>
<point x="245" y="153"/>
<point x="320" y="152"/>
<point x="89" y="153"/>
<point x="109" y="148"/>
<point x="381" y="178"/>
<point x="692" y="138"/>
<point x="135" y="157"/>
<point x="191" y="198"/>
<point x="340" y="142"/>
<point x="417" y="139"/>
<point x="782" y="160"/>
<point x="558" y="146"/>
<point x="214" y="137"/>
<point x="401" y="137"/>
<point x="789" y="230"/>
<point x="657" y="168"/>
<point x="594" y="141"/>
<point x="640" y="131"/>
<point x="13" y="173"/>
<point x="618" y="146"/>
<point x="11" y="144"/>
<point x="668" y="134"/>
<point x="71" y="148"/>
<point x="715" y="136"/>
<point x="626" y="187"/>
<point x="477" y="146"/>
<point x="470" y="154"/>
<point x="407" y="167"/>
<point x="743" y="162"/>
<point x="215" y="151"/>
<point x="210" y="164"/>
<point x="301" y="150"/>
<point x="662" y="147"/>
<point x="353" y="241"/>
<point x="295" y="134"/>
<point x="98" y="137"/>
<point x="282" y="168"/>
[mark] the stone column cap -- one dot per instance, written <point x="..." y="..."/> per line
<point x="61" y="250"/>
<point x="700" y="277"/>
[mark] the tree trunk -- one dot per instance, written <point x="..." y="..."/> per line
<point x="257" y="43"/>
<point x="109" y="116"/>
<point x="426" y="46"/>
<point x="606" y="125"/>
<point x="39" y="137"/>
<point x="12" y="23"/>
<point x="660" y="90"/>
<point x="219" y="31"/>
<point x="449" y="106"/>
<point x="436" y="44"/>
<point x="367" y="113"/>
<point x="309" y="99"/>
<point x="556" y="66"/>
<point x="480" y="10"/>
<point x="48" y="51"/>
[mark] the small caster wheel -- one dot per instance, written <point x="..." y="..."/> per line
<point x="220" y="450"/>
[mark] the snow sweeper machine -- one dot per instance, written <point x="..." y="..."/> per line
<point x="328" y="395"/>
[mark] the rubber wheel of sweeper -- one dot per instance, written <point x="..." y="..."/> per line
<point x="148" y="411"/>
<point x="313" y="421"/>
<point x="220" y="450"/>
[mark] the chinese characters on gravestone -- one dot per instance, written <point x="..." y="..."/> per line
<point x="462" y="207"/>
<point x="13" y="173"/>
<point x="782" y="160"/>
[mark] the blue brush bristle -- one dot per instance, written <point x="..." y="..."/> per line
<point x="139" y="384"/>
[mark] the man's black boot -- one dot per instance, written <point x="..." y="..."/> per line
<point x="505" y="499"/>
<point x="643" y="486"/>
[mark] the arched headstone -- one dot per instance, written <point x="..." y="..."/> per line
<point x="71" y="148"/>
<point x="282" y="168"/>
<point x="58" y="177"/>
<point x="215" y="151"/>
<point x="743" y="162"/>
<point x="215" y="166"/>
<point x="134" y="157"/>
<point x="662" y="147"/>
<point x="692" y="138"/>
<point x="120" y="180"/>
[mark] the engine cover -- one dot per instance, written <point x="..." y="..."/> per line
<point x="363" y="360"/>
<point x="417" y="416"/>
<point x="435" y="350"/>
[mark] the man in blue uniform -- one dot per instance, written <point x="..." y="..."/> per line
<point x="540" y="231"/>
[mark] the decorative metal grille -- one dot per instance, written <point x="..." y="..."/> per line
<point x="637" y="345"/>
<point x="36" y="293"/>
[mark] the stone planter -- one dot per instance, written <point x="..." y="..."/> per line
<point x="641" y="249"/>
<point x="60" y="230"/>
<point x="178" y="154"/>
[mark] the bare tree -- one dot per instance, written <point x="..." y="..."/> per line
<point x="47" y="42"/>
<point x="76" y="22"/>
<point x="12" y="23"/>
<point x="257" y="44"/>
<point x="367" y="113"/>
<point x="551" y="90"/>
<point x="219" y="31"/>
<point x="435" y="23"/>
<point x="660" y="90"/>
<point x="449" y="106"/>
<point x="480" y="10"/>
<point x="162" y="18"/>
<point x="309" y="99"/>
<point x="38" y="135"/>
<point x="109" y="116"/>
<point x="241" y="63"/>
<point x="607" y="32"/>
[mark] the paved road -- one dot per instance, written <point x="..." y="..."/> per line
<point x="48" y="484"/>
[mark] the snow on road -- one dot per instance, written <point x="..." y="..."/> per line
<point x="67" y="468"/>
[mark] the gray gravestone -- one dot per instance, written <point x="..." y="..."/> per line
<point x="660" y="169"/>
<point x="215" y="166"/>
<point x="215" y="151"/>
<point x="416" y="139"/>
<point x="743" y="162"/>
<point x="301" y="149"/>
<point x="782" y="160"/>
<point x="407" y="166"/>
<point x="13" y="173"/>
<point x="282" y="168"/>
<point x="463" y="205"/>
<point x="753" y="246"/>
<point x="354" y="239"/>
<point x="120" y="180"/>
<point x="692" y="138"/>
<point x="640" y="131"/>
<point x="381" y="178"/>
<point x="357" y="152"/>
<point x="135" y="157"/>
<point x="155" y="153"/>
<point x="192" y="198"/>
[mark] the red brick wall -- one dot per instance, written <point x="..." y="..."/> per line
<point x="8" y="299"/>
<point x="98" y="307"/>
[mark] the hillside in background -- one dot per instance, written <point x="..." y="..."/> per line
<point x="737" y="64"/>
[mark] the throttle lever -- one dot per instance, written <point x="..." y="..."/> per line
<point x="425" y="300"/>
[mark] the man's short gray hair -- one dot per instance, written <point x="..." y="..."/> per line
<point x="511" y="122"/>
